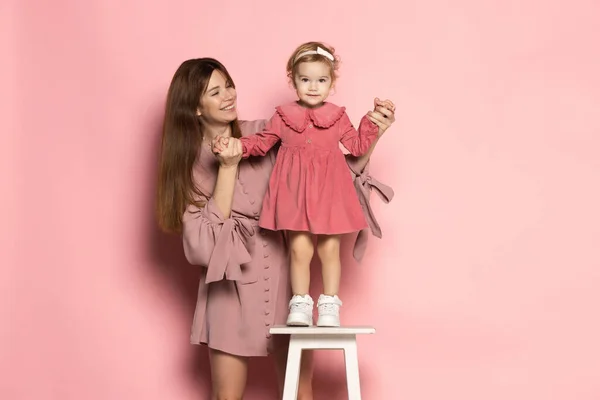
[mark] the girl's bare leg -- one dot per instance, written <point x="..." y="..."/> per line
<point x="301" y="304"/>
<point x="328" y="248"/>
<point x="302" y="250"/>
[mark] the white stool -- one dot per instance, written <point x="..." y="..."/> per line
<point x="342" y="338"/>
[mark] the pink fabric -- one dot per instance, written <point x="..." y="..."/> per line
<point x="244" y="288"/>
<point x="245" y="285"/>
<point x="364" y="184"/>
<point x="310" y="189"/>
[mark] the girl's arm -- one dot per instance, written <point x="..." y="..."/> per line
<point x="260" y="143"/>
<point x="383" y="116"/>
<point x="358" y="142"/>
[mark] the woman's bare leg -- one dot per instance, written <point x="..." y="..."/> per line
<point x="229" y="375"/>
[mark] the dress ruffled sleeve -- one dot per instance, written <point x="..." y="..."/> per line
<point x="364" y="183"/>
<point x="222" y="245"/>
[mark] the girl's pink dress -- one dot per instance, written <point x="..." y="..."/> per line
<point x="310" y="188"/>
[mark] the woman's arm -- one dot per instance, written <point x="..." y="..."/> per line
<point x="364" y="183"/>
<point x="224" y="188"/>
<point x="229" y="158"/>
<point x="212" y="237"/>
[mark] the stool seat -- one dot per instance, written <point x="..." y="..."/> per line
<point x="315" y="337"/>
<point x="321" y="330"/>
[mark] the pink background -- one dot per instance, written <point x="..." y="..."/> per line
<point x="486" y="283"/>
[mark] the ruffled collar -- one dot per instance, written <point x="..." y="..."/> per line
<point x="297" y="117"/>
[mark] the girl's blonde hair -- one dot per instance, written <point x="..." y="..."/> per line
<point x="293" y="63"/>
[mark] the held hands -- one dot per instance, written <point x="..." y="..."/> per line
<point x="382" y="114"/>
<point x="228" y="150"/>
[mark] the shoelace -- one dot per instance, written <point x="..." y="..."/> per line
<point x="328" y="308"/>
<point x="299" y="306"/>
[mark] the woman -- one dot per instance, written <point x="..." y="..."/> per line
<point x="214" y="202"/>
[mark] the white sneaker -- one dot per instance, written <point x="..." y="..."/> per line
<point x="301" y="311"/>
<point x="329" y="310"/>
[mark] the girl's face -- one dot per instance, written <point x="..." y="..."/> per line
<point x="313" y="83"/>
<point x="218" y="103"/>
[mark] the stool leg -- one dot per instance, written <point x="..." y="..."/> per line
<point x="292" y="370"/>
<point x="352" y="375"/>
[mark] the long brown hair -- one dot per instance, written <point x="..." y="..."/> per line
<point x="181" y="139"/>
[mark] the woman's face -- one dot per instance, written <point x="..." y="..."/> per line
<point x="218" y="103"/>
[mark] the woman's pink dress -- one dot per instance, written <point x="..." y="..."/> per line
<point x="310" y="188"/>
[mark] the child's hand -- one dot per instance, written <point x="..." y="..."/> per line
<point x="218" y="144"/>
<point x="382" y="114"/>
<point x="228" y="150"/>
<point x="385" y="103"/>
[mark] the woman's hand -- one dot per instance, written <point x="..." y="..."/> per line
<point x="228" y="151"/>
<point x="383" y="114"/>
